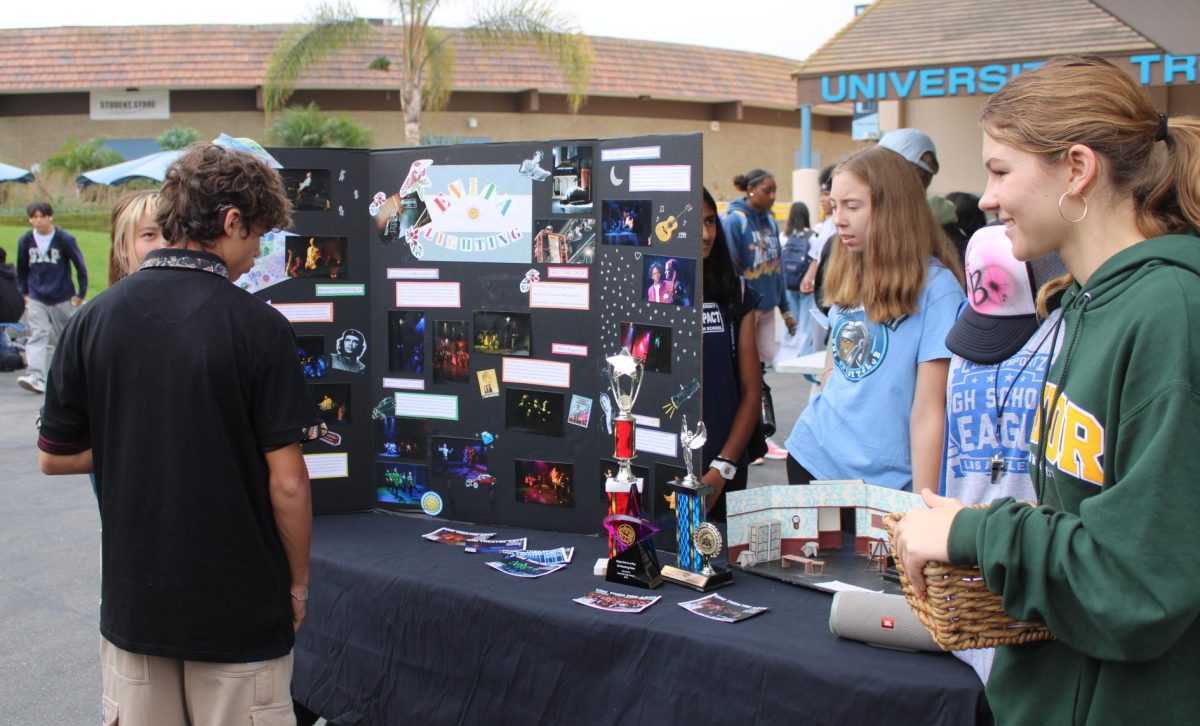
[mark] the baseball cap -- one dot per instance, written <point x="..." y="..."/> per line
<point x="1002" y="292"/>
<point x="912" y="144"/>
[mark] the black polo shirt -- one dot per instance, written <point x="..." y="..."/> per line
<point x="181" y="380"/>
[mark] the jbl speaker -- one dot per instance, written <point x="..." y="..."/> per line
<point x="877" y="619"/>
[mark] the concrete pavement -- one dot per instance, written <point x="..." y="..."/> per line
<point x="49" y="579"/>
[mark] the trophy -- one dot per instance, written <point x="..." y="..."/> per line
<point x="635" y="562"/>
<point x="699" y="541"/>
<point x="624" y="381"/>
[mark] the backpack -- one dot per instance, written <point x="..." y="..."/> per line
<point x="795" y="259"/>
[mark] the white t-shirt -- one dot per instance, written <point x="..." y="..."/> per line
<point x="42" y="240"/>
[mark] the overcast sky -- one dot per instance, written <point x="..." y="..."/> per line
<point x="789" y="28"/>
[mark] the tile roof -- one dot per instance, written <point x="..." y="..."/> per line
<point x="914" y="33"/>
<point x="236" y="56"/>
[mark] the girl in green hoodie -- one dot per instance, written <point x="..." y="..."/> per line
<point x="1080" y="163"/>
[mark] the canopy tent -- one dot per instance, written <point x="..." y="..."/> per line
<point x="153" y="166"/>
<point x="16" y="174"/>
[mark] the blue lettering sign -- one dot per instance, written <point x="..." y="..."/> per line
<point x="1177" y="64"/>
<point x="1145" y="61"/>
<point x="830" y="97"/>
<point x="992" y="78"/>
<point x="964" y="77"/>
<point x="932" y="82"/>
<point x="902" y="88"/>
<point x="862" y="88"/>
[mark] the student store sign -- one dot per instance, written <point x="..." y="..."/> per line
<point x="1150" y="69"/>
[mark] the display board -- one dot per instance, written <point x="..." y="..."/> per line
<point x="455" y="306"/>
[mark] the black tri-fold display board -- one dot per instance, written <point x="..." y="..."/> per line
<point x="454" y="307"/>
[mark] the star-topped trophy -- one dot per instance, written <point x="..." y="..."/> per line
<point x="699" y="541"/>
<point x="624" y="381"/>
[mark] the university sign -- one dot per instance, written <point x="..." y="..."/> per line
<point x="1150" y="69"/>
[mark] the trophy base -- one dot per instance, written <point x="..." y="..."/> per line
<point x="637" y="566"/>
<point x="697" y="581"/>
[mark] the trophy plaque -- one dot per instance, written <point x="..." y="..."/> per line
<point x="636" y="561"/>
<point x="699" y="541"/>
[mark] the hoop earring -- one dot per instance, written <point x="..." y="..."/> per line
<point x="1060" y="208"/>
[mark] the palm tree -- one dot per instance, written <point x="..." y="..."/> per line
<point x="307" y="126"/>
<point x="177" y="137"/>
<point x="75" y="157"/>
<point x="427" y="61"/>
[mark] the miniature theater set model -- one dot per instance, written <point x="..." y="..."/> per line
<point x="795" y="533"/>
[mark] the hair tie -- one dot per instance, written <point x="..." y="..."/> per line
<point x="1161" y="134"/>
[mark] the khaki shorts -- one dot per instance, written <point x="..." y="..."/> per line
<point x="143" y="690"/>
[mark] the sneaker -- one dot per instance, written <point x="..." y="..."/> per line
<point x="757" y="462"/>
<point x="774" y="452"/>
<point x="29" y="383"/>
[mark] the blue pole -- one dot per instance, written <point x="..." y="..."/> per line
<point x="806" y="136"/>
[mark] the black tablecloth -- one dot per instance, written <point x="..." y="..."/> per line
<point x="401" y="630"/>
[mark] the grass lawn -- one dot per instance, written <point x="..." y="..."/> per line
<point x="95" y="253"/>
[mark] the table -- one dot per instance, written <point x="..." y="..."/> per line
<point x="401" y="630"/>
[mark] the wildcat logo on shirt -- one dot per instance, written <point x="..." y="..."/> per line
<point x="859" y="345"/>
<point x="714" y="322"/>
<point x="50" y="256"/>
<point x="1075" y="443"/>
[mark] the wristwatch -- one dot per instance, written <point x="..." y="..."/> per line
<point x="726" y="468"/>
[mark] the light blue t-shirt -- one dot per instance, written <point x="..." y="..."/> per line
<point x="858" y="427"/>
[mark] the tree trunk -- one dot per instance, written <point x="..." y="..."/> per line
<point x="412" y="115"/>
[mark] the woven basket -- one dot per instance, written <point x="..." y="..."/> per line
<point x="958" y="610"/>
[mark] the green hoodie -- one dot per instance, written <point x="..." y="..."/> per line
<point x="1110" y="561"/>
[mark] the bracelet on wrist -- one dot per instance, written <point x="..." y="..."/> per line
<point x="299" y="598"/>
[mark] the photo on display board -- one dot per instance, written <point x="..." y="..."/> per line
<point x="499" y="333"/>
<point x="564" y="241"/>
<point x="580" y="413"/>
<point x="401" y="484"/>
<point x="313" y="360"/>
<point x="545" y="482"/>
<point x="332" y="401"/>
<point x="406" y="342"/>
<point x="572" y="183"/>
<point x="650" y="343"/>
<point x="451" y="352"/>
<point x="348" y="352"/>
<point x="306" y="189"/>
<point x="400" y="438"/>
<point x="316" y="257"/>
<point x="534" y="412"/>
<point x="626" y="222"/>
<point x="489" y="387"/>
<point x="668" y="280"/>
<point x="461" y="461"/>
<point x="608" y="470"/>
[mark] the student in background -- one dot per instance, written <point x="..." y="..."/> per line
<point x="45" y="255"/>
<point x="753" y="241"/>
<point x="753" y="238"/>
<point x="797" y="257"/>
<point x="895" y="289"/>
<point x="1081" y="163"/>
<point x="732" y="372"/>
<point x="1002" y="350"/>
<point x="135" y="233"/>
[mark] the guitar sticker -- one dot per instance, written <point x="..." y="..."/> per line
<point x="665" y="229"/>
